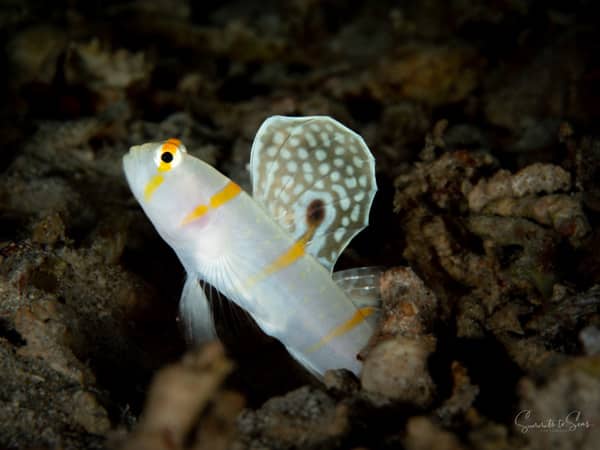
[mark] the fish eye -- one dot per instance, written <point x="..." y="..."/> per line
<point x="168" y="155"/>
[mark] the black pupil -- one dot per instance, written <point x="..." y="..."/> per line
<point x="167" y="157"/>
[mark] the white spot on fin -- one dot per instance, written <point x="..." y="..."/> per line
<point x="318" y="158"/>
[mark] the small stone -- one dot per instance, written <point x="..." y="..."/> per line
<point x="304" y="418"/>
<point x="396" y="371"/>
<point x="89" y="414"/>
<point x="341" y="382"/>
<point x="590" y="338"/>
<point x="422" y="433"/>
<point x="49" y="230"/>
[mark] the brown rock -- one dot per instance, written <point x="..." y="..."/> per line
<point x="464" y="392"/>
<point x="305" y="418"/>
<point x="396" y="371"/>
<point x="49" y="230"/>
<point x="563" y="412"/>
<point x="89" y="414"/>
<point x="179" y="393"/>
<point x="423" y="434"/>
<point x="43" y="326"/>
<point x="409" y="307"/>
<point x="533" y="179"/>
<point x="433" y="75"/>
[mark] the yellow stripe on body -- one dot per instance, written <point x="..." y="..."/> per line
<point x="291" y="255"/>
<point x="152" y="186"/>
<point x="223" y="196"/>
<point x="229" y="192"/>
<point x="359" y="316"/>
<point x="295" y="252"/>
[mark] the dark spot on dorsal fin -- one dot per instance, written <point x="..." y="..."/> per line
<point x="315" y="213"/>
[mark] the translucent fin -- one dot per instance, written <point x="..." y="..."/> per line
<point x="196" y="314"/>
<point x="316" y="178"/>
<point x="361" y="286"/>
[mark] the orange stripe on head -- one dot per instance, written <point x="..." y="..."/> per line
<point x="229" y="192"/>
<point x="359" y="316"/>
<point x="171" y="146"/>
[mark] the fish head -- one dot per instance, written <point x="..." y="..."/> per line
<point x="170" y="185"/>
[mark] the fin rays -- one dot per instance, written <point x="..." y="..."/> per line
<point x="300" y="162"/>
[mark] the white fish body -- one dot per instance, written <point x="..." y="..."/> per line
<point x="313" y="184"/>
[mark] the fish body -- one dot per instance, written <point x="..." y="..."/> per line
<point x="272" y="253"/>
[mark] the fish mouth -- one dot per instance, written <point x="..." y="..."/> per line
<point x="128" y="159"/>
<point x="131" y="157"/>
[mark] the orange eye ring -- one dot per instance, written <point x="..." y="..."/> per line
<point x="169" y="155"/>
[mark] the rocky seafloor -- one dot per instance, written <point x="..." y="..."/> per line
<point x="483" y="120"/>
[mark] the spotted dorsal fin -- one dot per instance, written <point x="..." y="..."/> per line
<point x="316" y="178"/>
